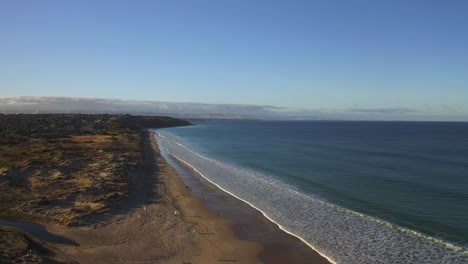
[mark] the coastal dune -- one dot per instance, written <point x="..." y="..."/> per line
<point x="164" y="222"/>
<point x="97" y="189"/>
<point x="166" y="225"/>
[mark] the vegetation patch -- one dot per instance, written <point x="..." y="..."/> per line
<point x="61" y="168"/>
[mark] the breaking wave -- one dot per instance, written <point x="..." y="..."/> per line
<point x="339" y="234"/>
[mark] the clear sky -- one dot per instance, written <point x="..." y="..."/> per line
<point x="329" y="55"/>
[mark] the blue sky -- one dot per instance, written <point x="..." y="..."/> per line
<point x="326" y="55"/>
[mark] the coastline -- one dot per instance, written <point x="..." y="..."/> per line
<point x="167" y="226"/>
<point x="171" y="217"/>
<point x="248" y="222"/>
<point x="279" y="245"/>
<point x="239" y="161"/>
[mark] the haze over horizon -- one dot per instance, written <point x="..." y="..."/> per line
<point x="364" y="60"/>
<point x="191" y="110"/>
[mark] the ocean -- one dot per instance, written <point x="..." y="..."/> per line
<point x="356" y="192"/>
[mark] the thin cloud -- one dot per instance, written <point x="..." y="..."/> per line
<point x="48" y="104"/>
<point x="388" y="111"/>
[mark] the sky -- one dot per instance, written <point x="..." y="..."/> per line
<point x="383" y="57"/>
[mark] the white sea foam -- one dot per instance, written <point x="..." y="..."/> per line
<point x="341" y="235"/>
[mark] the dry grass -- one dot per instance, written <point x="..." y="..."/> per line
<point x="65" y="179"/>
<point x="61" y="175"/>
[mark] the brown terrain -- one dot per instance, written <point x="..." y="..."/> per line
<point x="160" y="222"/>
<point x="64" y="176"/>
<point x="67" y="169"/>
<point x="100" y="182"/>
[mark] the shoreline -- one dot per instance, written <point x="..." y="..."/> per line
<point x="343" y="234"/>
<point x="263" y="214"/>
<point x="175" y="218"/>
<point x="279" y="245"/>
<point x="171" y="227"/>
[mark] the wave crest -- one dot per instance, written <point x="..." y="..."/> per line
<point x="339" y="234"/>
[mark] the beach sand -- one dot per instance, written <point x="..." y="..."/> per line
<point x="170" y="220"/>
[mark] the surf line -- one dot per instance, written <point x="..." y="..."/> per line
<point x="392" y="226"/>
<point x="253" y="206"/>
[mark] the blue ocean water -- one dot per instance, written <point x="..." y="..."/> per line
<point x="357" y="192"/>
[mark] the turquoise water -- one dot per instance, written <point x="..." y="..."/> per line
<point x="358" y="192"/>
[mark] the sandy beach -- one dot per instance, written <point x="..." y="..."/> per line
<point x="165" y="221"/>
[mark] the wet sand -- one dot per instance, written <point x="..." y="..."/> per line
<point x="172" y="218"/>
<point x="278" y="247"/>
